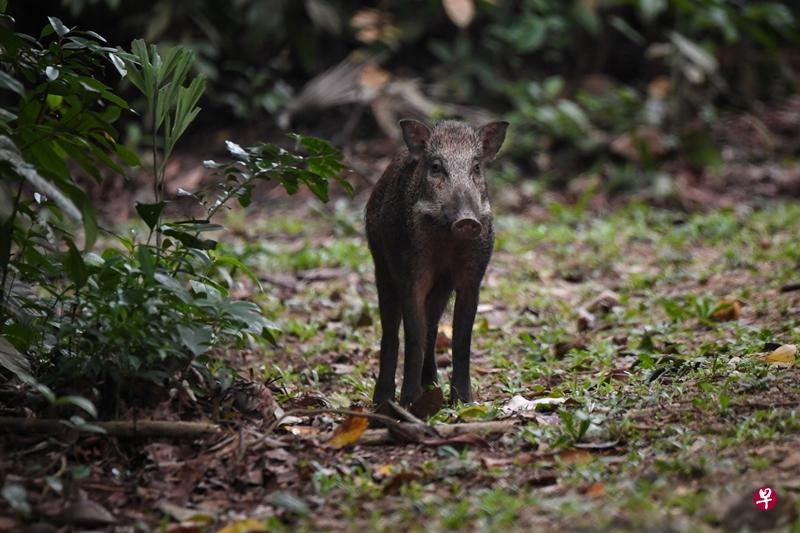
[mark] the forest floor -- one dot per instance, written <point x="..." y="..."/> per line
<point x="663" y="335"/>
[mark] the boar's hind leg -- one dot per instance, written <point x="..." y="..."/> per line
<point x="389" y="305"/>
<point x="463" y="318"/>
<point x="434" y="307"/>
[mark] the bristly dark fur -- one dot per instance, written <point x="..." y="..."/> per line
<point x="429" y="228"/>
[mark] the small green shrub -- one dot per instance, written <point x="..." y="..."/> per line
<point x="143" y="308"/>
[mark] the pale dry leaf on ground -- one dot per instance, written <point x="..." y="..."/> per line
<point x="519" y="404"/>
<point x="85" y="512"/>
<point x="604" y="302"/>
<point x="185" y="514"/>
<point x="243" y="526"/>
<point x="783" y="355"/>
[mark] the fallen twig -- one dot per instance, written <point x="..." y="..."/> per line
<point x="403" y="413"/>
<point x="789" y="287"/>
<point x="383" y="436"/>
<point x="114" y="428"/>
<point x="404" y="432"/>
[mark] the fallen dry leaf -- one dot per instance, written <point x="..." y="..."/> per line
<point x="185" y="514"/>
<point x="394" y="485"/>
<point x="561" y="348"/>
<point x="348" y="432"/>
<point x="542" y="478"/>
<point x="791" y="462"/>
<point x="243" y="526"/>
<point x="428" y="404"/>
<point x="595" y="489"/>
<point x="574" y="456"/>
<point x="604" y="302"/>
<point x="384" y="471"/>
<point x="785" y="355"/>
<point x="518" y="404"/>
<point x="586" y="320"/>
<point x="84" y="512"/>
<point x="728" y="309"/>
<point x="496" y="462"/>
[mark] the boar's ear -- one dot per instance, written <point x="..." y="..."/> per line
<point x="492" y="136"/>
<point x="415" y="134"/>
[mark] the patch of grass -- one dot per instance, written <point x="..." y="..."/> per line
<point x="656" y="373"/>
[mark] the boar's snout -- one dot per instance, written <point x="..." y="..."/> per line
<point x="466" y="228"/>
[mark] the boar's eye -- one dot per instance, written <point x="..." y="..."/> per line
<point x="436" y="167"/>
<point x="476" y="168"/>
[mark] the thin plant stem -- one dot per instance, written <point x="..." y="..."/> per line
<point x="156" y="175"/>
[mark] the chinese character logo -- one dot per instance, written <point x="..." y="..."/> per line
<point x="765" y="498"/>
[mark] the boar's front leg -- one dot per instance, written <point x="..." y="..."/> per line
<point x="414" y="327"/>
<point x="434" y="307"/>
<point x="389" y="306"/>
<point x="463" y="319"/>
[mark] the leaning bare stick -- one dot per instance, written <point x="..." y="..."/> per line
<point x="429" y="227"/>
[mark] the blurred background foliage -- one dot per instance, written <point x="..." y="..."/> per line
<point x="673" y="102"/>
<point x="583" y="82"/>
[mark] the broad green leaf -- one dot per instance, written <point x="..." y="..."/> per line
<point x="150" y="213"/>
<point x="118" y="63"/>
<point x="74" y="266"/>
<point x="10" y="83"/>
<point x="236" y="151"/>
<point x="58" y="26"/>
<point x="694" y="53"/>
<point x="473" y="411"/>
<point x="196" y="338"/>
<point x="9" y="152"/>
<point x="236" y="263"/>
<point x="77" y="401"/>
<point x="80" y="424"/>
<point x="54" y="101"/>
<point x="14" y="361"/>
<point x="189" y="240"/>
<point x="147" y="262"/>
<point x="650" y="9"/>
<point x="198" y="226"/>
<point x="290" y="502"/>
<point x="17" y="498"/>
<point x="51" y="73"/>
<point x="128" y="156"/>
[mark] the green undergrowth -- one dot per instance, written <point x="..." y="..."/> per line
<point x="654" y="373"/>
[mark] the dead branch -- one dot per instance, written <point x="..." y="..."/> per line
<point x="404" y="432"/>
<point x="373" y="437"/>
<point x="114" y="428"/>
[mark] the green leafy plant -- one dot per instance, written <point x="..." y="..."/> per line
<point x="59" y="116"/>
<point x="142" y="309"/>
<point x="171" y="107"/>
